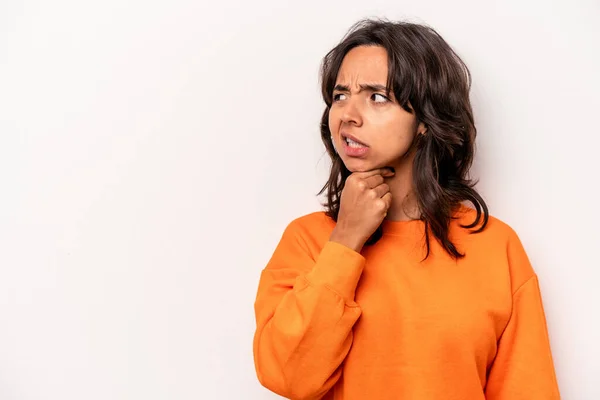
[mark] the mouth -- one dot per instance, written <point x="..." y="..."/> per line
<point x="354" y="147"/>
<point x="352" y="140"/>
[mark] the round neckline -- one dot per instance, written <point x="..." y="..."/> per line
<point x="417" y="226"/>
<point x="400" y="227"/>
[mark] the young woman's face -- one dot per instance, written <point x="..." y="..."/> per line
<point x="361" y="109"/>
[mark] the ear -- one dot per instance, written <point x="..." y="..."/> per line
<point x="421" y="129"/>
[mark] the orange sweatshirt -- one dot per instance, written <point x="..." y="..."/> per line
<point x="336" y="324"/>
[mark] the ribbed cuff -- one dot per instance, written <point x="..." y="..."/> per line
<point x="339" y="268"/>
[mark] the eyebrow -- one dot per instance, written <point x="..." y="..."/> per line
<point x="372" y="87"/>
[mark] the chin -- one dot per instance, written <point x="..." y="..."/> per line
<point x="361" y="165"/>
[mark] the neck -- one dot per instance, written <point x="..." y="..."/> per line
<point x="404" y="203"/>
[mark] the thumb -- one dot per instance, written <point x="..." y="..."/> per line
<point x="388" y="172"/>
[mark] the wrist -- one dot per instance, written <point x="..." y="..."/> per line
<point x="346" y="240"/>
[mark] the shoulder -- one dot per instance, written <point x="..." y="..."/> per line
<point x="308" y="232"/>
<point x="498" y="243"/>
<point x="495" y="230"/>
<point x="311" y="224"/>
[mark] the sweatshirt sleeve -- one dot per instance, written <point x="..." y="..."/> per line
<point x="523" y="368"/>
<point x="305" y="311"/>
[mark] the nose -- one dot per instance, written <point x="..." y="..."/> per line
<point x="351" y="113"/>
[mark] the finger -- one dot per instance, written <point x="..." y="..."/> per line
<point x="388" y="199"/>
<point x="380" y="190"/>
<point x="388" y="172"/>
<point x="379" y="171"/>
<point x="374" y="181"/>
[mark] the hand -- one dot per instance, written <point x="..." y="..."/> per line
<point x="364" y="203"/>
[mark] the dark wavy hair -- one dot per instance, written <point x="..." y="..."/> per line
<point x="423" y="70"/>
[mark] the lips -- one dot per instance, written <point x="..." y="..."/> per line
<point x="347" y="135"/>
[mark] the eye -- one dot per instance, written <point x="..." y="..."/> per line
<point x="384" y="99"/>
<point x="336" y="96"/>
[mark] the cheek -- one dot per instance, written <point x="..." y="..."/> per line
<point x="333" y="121"/>
<point x="396" y="136"/>
<point x="391" y="130"/>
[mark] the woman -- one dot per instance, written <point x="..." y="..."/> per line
<point x="398" y="290"/>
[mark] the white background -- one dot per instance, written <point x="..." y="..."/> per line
<point x="151" y="155"/>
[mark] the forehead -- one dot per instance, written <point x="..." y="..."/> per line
<point x="364" y="64"/>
